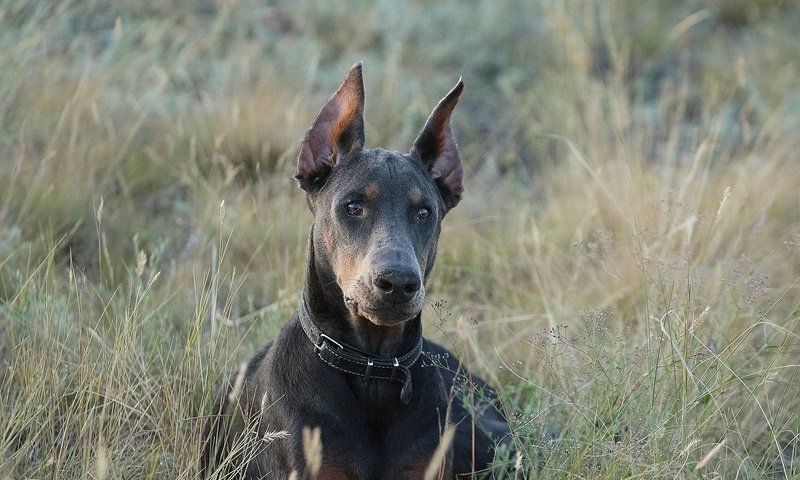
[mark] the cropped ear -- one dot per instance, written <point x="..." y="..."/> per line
<point x="437" y="148"/>
<point x="337" y="131"/>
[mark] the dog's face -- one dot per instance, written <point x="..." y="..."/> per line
<point x="378" y="219"/>
<point x="378" y="213"/>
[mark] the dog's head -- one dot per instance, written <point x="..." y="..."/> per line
<point x="377" y="214"/>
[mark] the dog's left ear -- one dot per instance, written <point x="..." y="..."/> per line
<point x="337" y="131"/>
<point x="437" y="148"/>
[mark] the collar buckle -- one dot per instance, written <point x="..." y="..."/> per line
<point x="324" y="338"/>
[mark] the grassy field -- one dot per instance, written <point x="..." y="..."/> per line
<point x="624" y="266"/>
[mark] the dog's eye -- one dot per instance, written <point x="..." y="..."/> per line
<point x="354" y="208"/>
<point x="424" y="213"/>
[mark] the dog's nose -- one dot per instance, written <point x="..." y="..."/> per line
<point x="397" y="286"/>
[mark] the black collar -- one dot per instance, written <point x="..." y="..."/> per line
<point x="354" y="361"/>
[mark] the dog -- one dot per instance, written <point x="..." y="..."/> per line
<point x="350" y="389"/>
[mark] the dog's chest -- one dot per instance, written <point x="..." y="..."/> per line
<point x="397" y="446"/>
<point x="379" y="401"/>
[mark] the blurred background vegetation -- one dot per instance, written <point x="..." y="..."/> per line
<point x="624" y="265"/>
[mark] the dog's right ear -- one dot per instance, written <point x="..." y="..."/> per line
<point x="437" y="149"/>
<point x="337" y="131"/>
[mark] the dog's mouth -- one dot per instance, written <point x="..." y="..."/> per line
<point x="382" y="313"/>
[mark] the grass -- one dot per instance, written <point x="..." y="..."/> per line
<point x="624" y="266"/>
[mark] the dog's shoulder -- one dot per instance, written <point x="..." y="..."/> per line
<point x="278" y="353"/>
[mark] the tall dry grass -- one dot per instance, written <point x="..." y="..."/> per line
<point x="624" y="266"/>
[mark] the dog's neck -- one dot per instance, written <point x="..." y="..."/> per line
<point x="324" y="301"/>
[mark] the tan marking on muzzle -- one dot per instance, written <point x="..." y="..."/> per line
<point x="348" y="270"/>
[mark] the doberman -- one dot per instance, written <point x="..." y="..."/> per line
<point x="349" y="366"/>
